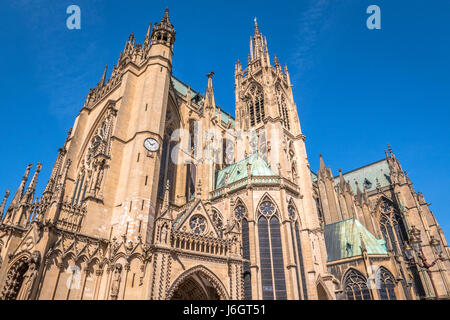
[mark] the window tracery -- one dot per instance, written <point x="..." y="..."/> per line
<point x="198" y="225"/>
<point x="92" y="168"/>
<point x="282" y="107"/>
<point x="355" y="286"/>
<point x="255" y="103"/>
<point x="271" y="252"/>
<point x="385" y="284"/>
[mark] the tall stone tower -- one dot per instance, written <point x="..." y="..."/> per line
<point x="265" y="109"/>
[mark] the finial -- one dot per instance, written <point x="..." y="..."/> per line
<point x="256" y="26"/>
<point x="102" y="81"/>
<point x="2" y="206"/>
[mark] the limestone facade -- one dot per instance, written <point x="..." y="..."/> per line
<point x="222" y="208"/>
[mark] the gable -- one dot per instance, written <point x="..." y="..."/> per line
<point x="197" y="221"/>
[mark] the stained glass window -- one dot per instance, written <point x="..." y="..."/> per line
<point x="267" y="208"/>
<point x="246" y="256"/>
<point x="385" y="284"/>
<point x="355" y="286"/>
<point x="291" y="211"/>
<point x="265" y="259"/>
<point x="277" y="259"/>
<point x="271" y="252"/>
<point x="198" y="224"/>
<point x="239" y="212"/>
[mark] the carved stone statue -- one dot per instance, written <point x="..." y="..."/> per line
<point x="164" y="234"/>
<point x="115" y="285"/>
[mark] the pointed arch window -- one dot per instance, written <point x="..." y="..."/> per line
<point x="355" y="286"/>
<point x="92" y="169"/>
<point x="240" y="214"/>
<point x="298" y="254"/>
<point x="282" y="107"/>
<point x="255" y="103"/>
<point x="167" y="171"/>
<point x="218" y="221"/>
<point x="385" y="284"/>
<point x="392" y="226"/>
<point x="271" y="252"/>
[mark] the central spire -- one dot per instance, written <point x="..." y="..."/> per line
<point x="256" y="27"/>
<point x="258" y="46"/>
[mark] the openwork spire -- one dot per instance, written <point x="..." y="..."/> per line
<point x="258" y="47"/>
<point x="256" y="26"/>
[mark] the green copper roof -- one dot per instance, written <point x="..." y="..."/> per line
<point x="367" y="176"/>
<point x="238" y="170"/>
<point x="225" y="117"/>
<point x="343" y="240"/>
<point x="182" y="89"/>
<point x="313" y="176"/>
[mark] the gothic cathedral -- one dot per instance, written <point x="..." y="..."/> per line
<point x="157" y="193"/>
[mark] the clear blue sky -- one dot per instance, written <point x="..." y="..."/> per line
<point x="357" y="90"/>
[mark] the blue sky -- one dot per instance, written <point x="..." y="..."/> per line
<point x="356" y="89"/>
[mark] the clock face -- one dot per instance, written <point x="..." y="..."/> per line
<point x="151" y="144"/>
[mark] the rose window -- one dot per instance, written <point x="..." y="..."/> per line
<point x="239" y="212"/>
<point x="198" y="224"/>
<point x="267" y="208"/>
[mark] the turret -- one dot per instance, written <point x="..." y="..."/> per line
<point x="164" y="32"/>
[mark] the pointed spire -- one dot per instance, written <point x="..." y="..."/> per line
<point x="29" y="195"/>
<point x="62" y="185"/>
<point x="149" y="33"/>
<point x="390" y="151"/>
<point x="322" y="163"/>
<point x="209" y="98"/>
<point x="363" y="244"/>
<point x="359" y="194"/>
<point x="2" y="206"/>
<point x="341" y="181"/>
<point x="276" y="62"/>
<point x="166" y="18"/>
<point x="165" y="205"/>
<point x="256" y="26"/>
<point x="102" y="81"/>
<point x="20" y="191"/>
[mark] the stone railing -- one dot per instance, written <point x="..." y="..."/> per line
<point x="255" y="181"/>
<point x="199" y="244"/>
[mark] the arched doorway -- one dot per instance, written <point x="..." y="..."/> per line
<point x="20" y="278"/>
<point x="195" y="288"/>
<point x="197" y="284"/>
